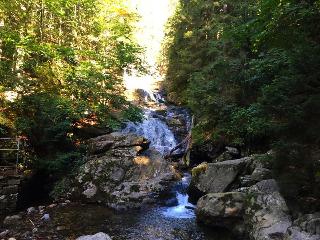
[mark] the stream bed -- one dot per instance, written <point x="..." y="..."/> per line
<point x="158" y="222"/>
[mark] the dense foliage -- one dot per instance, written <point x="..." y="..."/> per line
<point x="62" y="61"/>
<point x="249" y="71"/>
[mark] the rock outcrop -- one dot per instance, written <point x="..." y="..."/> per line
<point x="121" y="172"/>
<point x="261" y="213"/>
<point x="242" y="196"/>
<point x="267" y="215"/>
<point x="218" y="177"/>
<point x="222" y="210"/>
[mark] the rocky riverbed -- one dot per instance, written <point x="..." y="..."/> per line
<point x="127" y="190"/>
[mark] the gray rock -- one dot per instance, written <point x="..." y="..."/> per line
<point x="309" y="223"/>
<point x="265" y="186"/>
<point x="116" y="140"/>
<point x="90" y="190"/>
<point x="260" y="174"/>
<point x="295" y="233"/>
<point x="9" y="220"/>
<point x="218" y="177"/>
<point x="98" y="236"/>
<point x="122" y="176"/>
<point x="267" y="215"/>
<point x="222" y="210"/>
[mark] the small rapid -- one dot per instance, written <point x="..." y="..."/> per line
<point x="183" y="209"/>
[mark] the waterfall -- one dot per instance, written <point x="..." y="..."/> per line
<point x="155" y="130"/>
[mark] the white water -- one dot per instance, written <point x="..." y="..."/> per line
<point x="184" y="209"/>
<point x="150" y="33"/>
<point x="155" y="130"/>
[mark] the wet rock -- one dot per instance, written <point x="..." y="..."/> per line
<point x="217" y="177"/>
<point x="122" y="175"/>
<point x="10" y="220"/>
<point x="222" y="210"/>
<point x="267" y="215"/>
<point x="98" y="236"/>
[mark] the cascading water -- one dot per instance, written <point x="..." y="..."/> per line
<point x="163" y="140"/>
<point x="155" y="130"/>
<point x="184" y="209"/>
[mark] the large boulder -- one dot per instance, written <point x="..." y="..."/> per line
<point x="222" y="210"/>
<point x="267" y="215"/>
<point x="121" y="172"/>
<point x="217" y="177"/>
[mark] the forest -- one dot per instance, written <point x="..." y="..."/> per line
<point x="249" y="71"/>
<point x="61" y="71"/>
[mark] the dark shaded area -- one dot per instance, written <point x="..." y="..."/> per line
<point x="34" y="190"/>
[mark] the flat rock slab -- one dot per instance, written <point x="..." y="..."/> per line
<point x="219" y="176"/>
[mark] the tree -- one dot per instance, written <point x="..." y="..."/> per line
<point x="65" y="60"/>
